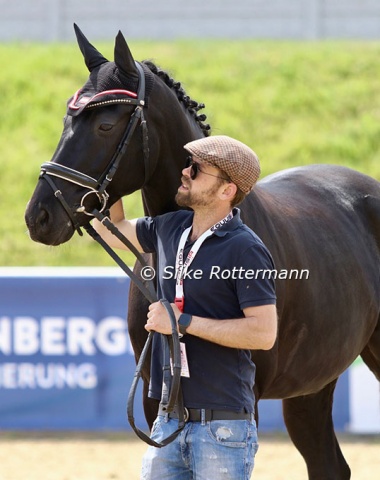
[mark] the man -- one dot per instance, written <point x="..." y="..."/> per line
<point x="207" y="259"/>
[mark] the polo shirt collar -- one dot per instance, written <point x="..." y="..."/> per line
<point x="234" y="223"/>
<point x="228" y="227"/>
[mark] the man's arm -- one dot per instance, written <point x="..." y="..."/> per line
<point x="257" y="330"/>
<point x="126" y="227"/>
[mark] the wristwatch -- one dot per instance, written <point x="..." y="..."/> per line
<point x="183" y="322"/>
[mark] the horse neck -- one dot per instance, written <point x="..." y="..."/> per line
<point x="159" y="192"/>
<point x="256" y="210"/>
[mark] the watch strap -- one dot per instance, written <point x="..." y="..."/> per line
<point x="183" y="322"/>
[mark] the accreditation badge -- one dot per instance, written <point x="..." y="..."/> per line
<point x="185" y="372"/>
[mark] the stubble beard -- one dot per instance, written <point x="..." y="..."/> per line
<point x="189" y="199"/>
<point x="183" y="199"/>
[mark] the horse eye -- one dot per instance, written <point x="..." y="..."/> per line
<point x="105" y="127"/>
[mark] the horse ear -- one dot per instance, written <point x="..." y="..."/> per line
<point x="91" y="56"/>
<point x="123" y="57"/>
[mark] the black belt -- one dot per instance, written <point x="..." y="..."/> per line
<point x="206" y="415"/>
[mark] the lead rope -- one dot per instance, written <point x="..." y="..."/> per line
<point x="168" y="400"/>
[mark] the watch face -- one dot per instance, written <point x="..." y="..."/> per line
<point x="183" y="322"/>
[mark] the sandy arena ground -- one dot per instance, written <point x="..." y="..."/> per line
<point x="118" y="457"/>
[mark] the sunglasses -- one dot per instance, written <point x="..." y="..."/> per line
<point x="196" y="168"/>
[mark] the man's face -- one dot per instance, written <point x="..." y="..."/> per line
<point x="200" y="191"/>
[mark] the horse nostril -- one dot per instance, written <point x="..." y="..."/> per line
<point x="42" y="218"/>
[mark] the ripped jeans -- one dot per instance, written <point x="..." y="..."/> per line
<point x="216" y="450"/>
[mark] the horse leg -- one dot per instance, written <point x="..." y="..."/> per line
<point x="371" y="353"/>
<point x="310" y="426"/>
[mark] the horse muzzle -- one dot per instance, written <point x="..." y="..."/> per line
<point x="47" y="223"/>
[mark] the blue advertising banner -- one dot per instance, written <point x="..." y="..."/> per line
<point x="66" y="361"/>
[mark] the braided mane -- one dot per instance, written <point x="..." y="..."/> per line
<point x="192" y="106"/>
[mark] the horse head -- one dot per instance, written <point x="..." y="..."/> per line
<point x="114" y="137"/>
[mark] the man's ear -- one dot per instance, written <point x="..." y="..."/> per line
<point x="228" y="191"/>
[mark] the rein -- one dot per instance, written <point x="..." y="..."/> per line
<point x="171" y="396"/>
<point x="171" y="392"/>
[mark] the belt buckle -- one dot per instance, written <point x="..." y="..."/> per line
<point x="186" y="414"/>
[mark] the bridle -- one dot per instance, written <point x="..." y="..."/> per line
<point x="171" y="391"/>
<point x="99" y="186"/>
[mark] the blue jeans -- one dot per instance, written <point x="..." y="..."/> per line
<point x="216" y="450"/>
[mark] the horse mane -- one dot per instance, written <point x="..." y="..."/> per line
<point x="191" y="106"/>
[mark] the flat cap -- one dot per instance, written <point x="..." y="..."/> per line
<point x="237" y="160"/>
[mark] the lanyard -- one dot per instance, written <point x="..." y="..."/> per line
<point x="181" y="266"/>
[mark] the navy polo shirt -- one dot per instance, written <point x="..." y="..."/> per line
<point x="225" y="277"/>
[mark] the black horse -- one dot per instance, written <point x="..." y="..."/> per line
<point x="324" y="219"/>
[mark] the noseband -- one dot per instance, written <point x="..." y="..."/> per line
<point x="98" y="187"/>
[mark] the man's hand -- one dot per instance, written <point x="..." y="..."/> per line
<point x="158" y="318"/>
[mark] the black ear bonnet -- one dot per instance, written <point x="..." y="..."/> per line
<point x="109" y="82"/>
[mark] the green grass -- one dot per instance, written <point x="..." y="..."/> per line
<point x="293" y="103"/>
